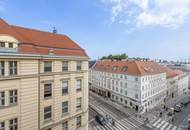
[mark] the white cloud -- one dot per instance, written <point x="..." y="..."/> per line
<point x="166" y="13"/>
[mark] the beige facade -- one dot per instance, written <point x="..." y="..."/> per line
<point x="23" y="91"/>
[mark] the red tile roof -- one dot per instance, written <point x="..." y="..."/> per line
<point x="39" y="42"/>
<point x="129" y="67"/>
<point x="135" y="67"/>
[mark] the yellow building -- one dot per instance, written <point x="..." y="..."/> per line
<point x="43" y="81"/>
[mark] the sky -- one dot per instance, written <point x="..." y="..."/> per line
<point x="156" y="29"/>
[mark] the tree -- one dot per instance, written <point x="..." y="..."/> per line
<point x="115" y="57"/>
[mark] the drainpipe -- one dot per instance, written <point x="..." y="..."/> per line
<point x="38" y="94"/>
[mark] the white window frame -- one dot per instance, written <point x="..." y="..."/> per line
<point x="13" y="68"/>
<point x="65" y="87"/>
<point x="79" y="65"/>
<point x="65" y="106"/>
<point x="14" y="125"/>
<point x="79" y="84"/>
<point x="47" y="90"/>
<point x="65" y="66"/>
<point x="13" y="99"/>
<point x="78" y="121"/>
<point x="2" y="68"/>
<point x="65" y="125"/>
<point x="2" y="98"/>
<point x="47" y="113"/>
<point x="78" y="103"/>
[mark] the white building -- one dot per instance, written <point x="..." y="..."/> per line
<point x="177" y="82"/>
<point x="141" y="85"/>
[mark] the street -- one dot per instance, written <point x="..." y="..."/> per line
<point x="123" y="121"/>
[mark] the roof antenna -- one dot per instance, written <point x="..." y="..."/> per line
<point x="54" y="30"/>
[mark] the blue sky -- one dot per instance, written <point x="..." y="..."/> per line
<point x="140" y="28"/>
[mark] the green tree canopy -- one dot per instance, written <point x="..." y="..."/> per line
<point x="115" y="57"/>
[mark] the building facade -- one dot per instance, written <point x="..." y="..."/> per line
<point x="177" y="82"/>
<point x="43" y="81"/>
<point x="140" y="85"/>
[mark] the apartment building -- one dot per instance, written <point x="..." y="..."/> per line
<point x="43" y="81"/>
<point x="140" y="85"/>
<point x="177" y="82"/>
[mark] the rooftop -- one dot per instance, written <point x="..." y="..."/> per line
<point x="32" y="41"/>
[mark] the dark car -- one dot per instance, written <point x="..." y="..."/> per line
<point x="177" y="108"/>
<point x="101" y="119"/>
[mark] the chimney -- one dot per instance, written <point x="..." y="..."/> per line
<point x="54" y="30"/>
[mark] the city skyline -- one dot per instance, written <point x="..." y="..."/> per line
<point x="104" y="27"/>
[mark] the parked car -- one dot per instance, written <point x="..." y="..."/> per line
<point x="100" y="118"/>
<point x="177" y="108"/>
<point x="185" y="102"/>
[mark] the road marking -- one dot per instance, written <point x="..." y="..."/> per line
<point x="157" y="122"/>
<point x="159" y="125"/>
<point x="169" y="127"/>
<point x="174" y="128"/>
<point x="164" y="126"/>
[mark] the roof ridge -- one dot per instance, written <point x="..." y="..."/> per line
<point x="34" y="29"/>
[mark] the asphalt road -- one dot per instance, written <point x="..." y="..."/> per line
<point x="123" y="121"/>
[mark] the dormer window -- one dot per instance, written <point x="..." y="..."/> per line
<point x="10" y="45"/>
<point x="2" y="44"/>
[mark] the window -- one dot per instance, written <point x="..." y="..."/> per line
<point x="65" y="126"/>
<point x="64" y="107"/>
<point x="126" y="92"/>
<point x="78" y="103"/>
<point x="65" y="86"/>
<point x="2" y="44"/>
<point x="2" y="98"/>
<point x="13" y="96"/>
<point x="125" y="101"/>
<point x="78" y="121"/>
<point x="10" y="45"/>
<point x="125" y="85"/>
<point x="136" y="79"/>
<point x="65" y="66"/>
<point x="47" y="113"/>
<point x="79" y="65"/>
<point x="121" y="84"/>
<point x="13" y="124"/>
<point x="121" y="91"/>
<point x="2" y="68"/>
<point x="47" y="66"/>
<point x="47" y="90"/>
<point x="79" y="85"/>
<point x="2" y="125"/>
<point x="136" y="96"/>
<point x="12" y="67"/>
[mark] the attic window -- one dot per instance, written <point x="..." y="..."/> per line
<point x="51" y="51"/>
<point x="125" y="68"/>
<point x="10" y="45"/>
<point x="115" y="68"/>
<point x="2" y="44"/>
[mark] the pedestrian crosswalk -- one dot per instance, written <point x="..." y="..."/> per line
<point x="161" y="124"/>
<point x="109" y="126"/>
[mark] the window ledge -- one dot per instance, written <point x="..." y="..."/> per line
<point x="10" y="105"/>
<point x="65" y="94"/>
<point x="65" y="114"/>
<point x="78" y="109"/>
<point x="48" y="120"/>
<point x="47" y="98"/>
